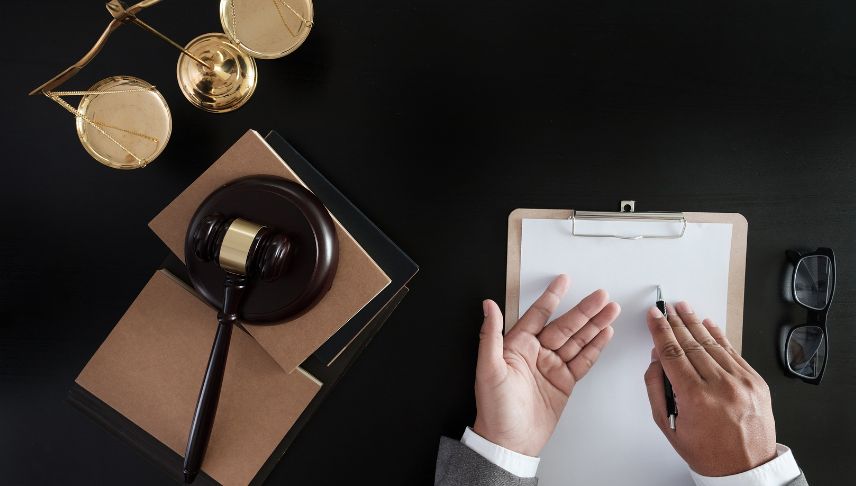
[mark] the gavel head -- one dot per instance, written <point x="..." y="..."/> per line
<point x="242" y="247"/>
<point x="288" y="246"/>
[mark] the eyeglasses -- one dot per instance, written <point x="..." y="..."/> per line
<point x="811" y="284"/>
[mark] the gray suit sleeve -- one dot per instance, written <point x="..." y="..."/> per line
<point x="800" y="481"/>
<point x="458" y="465"/>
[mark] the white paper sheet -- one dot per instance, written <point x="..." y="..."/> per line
<point x="606" y="435"/>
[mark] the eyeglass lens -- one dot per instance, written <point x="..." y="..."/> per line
<point x="811" y="281"/>
<point x="807" y="351"/>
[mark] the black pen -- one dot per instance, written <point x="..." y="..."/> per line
<point x="671" y="406"/>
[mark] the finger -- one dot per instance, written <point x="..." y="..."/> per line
<point x="672" y="357"/>
<point x="490" y="367"/>
<point x="704" y="364"/>
<point x="704" y="338"/>
<point x="536" y="317"/>
<point x="581" y="338"/>
<point x="717" y="333"/>
<point x="563" y="327"/>
<point x="657" y="393"/>
<point x="582" y="363"/>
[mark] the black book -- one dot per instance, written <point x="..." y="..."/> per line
<point x="394" y="262"/>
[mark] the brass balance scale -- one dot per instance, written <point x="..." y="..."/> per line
<point x="124" y="122"/>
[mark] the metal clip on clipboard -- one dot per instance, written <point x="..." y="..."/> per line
<point x="628" y="213"/>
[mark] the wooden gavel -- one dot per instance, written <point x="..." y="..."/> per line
<point x="292" y="271"/>
<point x="243" y="249"/>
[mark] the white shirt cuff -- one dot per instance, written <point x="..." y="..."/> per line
<point x="778" y="472"/>
<point x="520" y="465"/>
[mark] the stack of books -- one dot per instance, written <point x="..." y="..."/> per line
<point x="143" y="382"/>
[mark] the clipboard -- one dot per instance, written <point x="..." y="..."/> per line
<point x="736" y="272"/>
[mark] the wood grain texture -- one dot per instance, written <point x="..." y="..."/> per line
<point x="437" y="124"/>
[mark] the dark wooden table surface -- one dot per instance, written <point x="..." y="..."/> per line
<point x="437" y="119"/>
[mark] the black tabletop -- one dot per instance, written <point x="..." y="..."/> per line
<point x="437" y="119"/>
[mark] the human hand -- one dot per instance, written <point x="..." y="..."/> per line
<point x="523" y="380"/>
<point x="725" y="419"/>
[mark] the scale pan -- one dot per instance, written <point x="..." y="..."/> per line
<point x="267" y="29"/>
<point x="225" y="87"/>
<point x="139" y="122"/>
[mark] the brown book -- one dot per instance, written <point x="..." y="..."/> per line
<point x="358" y="278"/>
<point x="150" y="368"/>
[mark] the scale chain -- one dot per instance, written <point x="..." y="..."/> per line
<point x="303" y="21"/>
<point x="56" y="96"/>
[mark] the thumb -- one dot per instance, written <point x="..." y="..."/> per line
<point x="657" y="391"/>
<point x="490" y="367"/>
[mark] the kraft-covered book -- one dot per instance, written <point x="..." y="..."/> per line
<point x="143" y="381"/>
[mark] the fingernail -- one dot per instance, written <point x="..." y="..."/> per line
<point x="485" y="308"/>
<point x="653" y="354"/>
<point x="708" y="323"/>
<point x="670" y="309"/>
<point x="559" y="284"/>
<point x="684" y="308"/>
<point x="655" y="313"/>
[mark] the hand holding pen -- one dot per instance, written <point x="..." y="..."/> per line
<point x="726" y="423"/>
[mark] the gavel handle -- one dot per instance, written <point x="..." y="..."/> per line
<point x="209" y="395"/>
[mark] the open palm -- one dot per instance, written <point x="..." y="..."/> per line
<point x="524" y="380"/>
